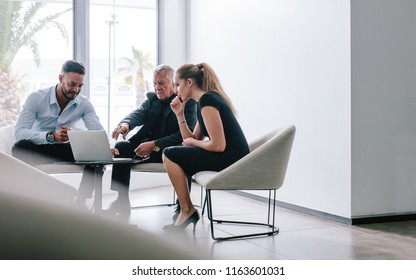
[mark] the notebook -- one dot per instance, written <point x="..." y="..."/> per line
<point x="92" y="146"/>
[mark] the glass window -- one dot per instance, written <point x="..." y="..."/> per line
<point x="123" y="41"/>
<point x="31" y="51"/>
<point x="123" y="52"/>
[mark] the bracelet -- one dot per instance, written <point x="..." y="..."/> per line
<point x="184" y="121"/>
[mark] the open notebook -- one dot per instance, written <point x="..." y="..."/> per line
<point x="92" y="146"/>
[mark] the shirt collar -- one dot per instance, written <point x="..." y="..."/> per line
<point x="54" y="100"/>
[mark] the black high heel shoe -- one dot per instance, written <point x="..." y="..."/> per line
<point x="194" y="218"/>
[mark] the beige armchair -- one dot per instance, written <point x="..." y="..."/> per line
<point x="264" y="168"/>
<point x="38" y="230"/>
<point x="22" y="179"/>
<point x="39" y="223"/>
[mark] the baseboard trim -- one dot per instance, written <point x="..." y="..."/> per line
<point x="350" y="221"/>
<point x="384" y="219"/>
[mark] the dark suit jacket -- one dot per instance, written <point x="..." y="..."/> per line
<point x="167" y="132"/>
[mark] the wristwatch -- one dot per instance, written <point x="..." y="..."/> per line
<point x="49" y="136"/>
<point x="156" y="148"/>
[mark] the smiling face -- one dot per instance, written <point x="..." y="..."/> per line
<point x="71" y="84"/>
<point x="163" y="86"/>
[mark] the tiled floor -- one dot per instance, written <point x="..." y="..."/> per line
<point x="301" y="236"/>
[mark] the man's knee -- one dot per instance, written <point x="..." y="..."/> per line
<point x="125" y="148"/>
<point x="24" y="150"/>
<point x="22" y="146"/>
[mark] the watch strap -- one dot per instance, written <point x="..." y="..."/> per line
<point x="50" y="137"/>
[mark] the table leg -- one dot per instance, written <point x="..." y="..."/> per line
<point x="98" y="189"/>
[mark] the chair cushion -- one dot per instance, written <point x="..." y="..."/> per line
<point x="204" y="177"/>
<point x="149" y="167"/>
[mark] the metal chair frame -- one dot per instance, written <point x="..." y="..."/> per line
<point x="271" y="211"/>
<point x="250" y="173"/>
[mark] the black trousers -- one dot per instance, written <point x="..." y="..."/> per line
<point x="122" y="172"/>
<point x="34" y="154"/>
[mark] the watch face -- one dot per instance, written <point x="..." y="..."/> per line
<point x="50" y="138"/>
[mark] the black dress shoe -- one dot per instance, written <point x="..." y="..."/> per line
<point x="193" y="219"/>
<point x="119" y="207"/>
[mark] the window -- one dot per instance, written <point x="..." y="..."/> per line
<point x="124" y="90"/>
<point x="99" y="89"/>
<point x="25" y="66"/>
<point x="122" y="53"/>
<point x="123" y="40"/>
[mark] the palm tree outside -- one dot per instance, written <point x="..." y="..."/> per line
<point x="19" y="24"/>
<point x="135" y="69"/>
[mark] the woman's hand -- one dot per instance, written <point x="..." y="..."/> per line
<point x="177" y="106"/>
<point x="189" y="142"/>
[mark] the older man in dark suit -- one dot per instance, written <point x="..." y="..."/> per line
<point x="159" y="129"/>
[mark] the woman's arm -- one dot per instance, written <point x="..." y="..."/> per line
<point x="214" y="126"/>
<point x="178" y="108"/>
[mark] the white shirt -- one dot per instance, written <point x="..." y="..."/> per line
<point x="41" y="113"/>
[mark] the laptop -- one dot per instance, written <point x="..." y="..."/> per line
<point x="92" y="146"/>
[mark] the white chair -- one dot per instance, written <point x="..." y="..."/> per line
<point x="22" y="179"/>
<point x="6" y="143"/>
<point x="264" y="168"/>
<point x="37" y="230"/>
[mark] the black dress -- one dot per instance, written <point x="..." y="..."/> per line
<point x="194" y="159"/>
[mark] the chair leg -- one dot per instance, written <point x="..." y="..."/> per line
<point x="202" y="200"/>
<point x="269" y="224"/>
<point x="208" y="199"/>
<point x="205" y="203"/>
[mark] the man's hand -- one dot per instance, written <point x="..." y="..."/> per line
<point x="115" y="152"/>
<point x="145" y="149"/>
<point x="122" y="128"/>
<point x="61" y="135"/>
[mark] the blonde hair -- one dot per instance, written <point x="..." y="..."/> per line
<point x="205" y="79"/>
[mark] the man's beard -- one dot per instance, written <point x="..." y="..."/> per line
<point x="65" y="93"/>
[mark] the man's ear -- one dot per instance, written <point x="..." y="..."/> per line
<point x="61" y="76"/>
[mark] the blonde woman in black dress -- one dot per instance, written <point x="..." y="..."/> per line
<point x="216" y="142"/>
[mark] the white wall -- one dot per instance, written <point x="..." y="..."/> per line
<point x="172" y="32"/>
<point x="286" y="62"/>
<point x="342" y="72"/>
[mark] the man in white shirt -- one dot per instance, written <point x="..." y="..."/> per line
<point x="41" y="131"/>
